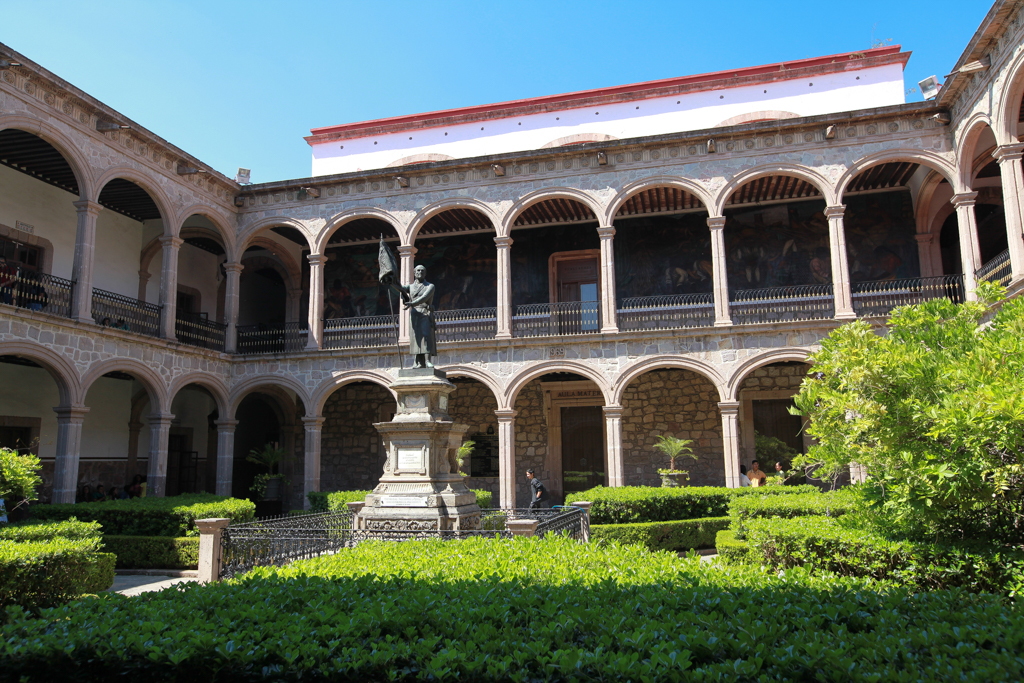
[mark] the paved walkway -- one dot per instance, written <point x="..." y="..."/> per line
<point x="137" y="585"/>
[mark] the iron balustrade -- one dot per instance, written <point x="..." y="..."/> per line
<point x="878" y="299"/>
<point x="997" y="269"/>
<point x="125" y="313"/>
<point x="466" y="323"/>
<point x="558" y="319"/>
<point x="778" y="304"/>
<point x="570" y="521"/>
<point x="37" y="292"/>
<point x="195" y="330"/>
<point x="666" y="312"/>
<point x="284" y="338"/>
<point x="374" y="330"/>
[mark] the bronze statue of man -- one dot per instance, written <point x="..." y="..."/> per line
<point x="418" y="297"/>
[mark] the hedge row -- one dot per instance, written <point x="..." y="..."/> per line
<point x="522" y="610"/>
<point x="686" y="534"/>
<point x="632" y="504"/>
<point x="829" y="504"/>
<point x="730" y="549"/>
<point x="822" y="543"/>
<point x="37" y="574"/>
<point x="33" y="531"/>
<point x="330" y="501"/>
<point x="154" y="552"/>
<point x="151" y="516"/>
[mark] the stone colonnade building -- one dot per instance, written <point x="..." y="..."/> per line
<point x="667" y="276"/>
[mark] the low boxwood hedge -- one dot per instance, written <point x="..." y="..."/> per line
<point x="822" y="543"/>
<point x="151" y="516"/>
<point x="521" y="610"/>
<point x="632" y="504"/>
<point x="329" y="501"/>
<point x="38" y="574"/>
<point x="154" y="552"/>
<point x="730" y="548"/>
<point x="829" y="504"/>
<point x="685" y="534"/>
<point x="35" y="531"/>
<point x="100" y="574"/>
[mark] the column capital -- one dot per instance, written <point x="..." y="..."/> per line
<point x="506" y="416"/>
<point x="835" y="211"/>
<point x="71" y="413"/>
<point x="729" y="407"/>
<point x="503" y="242"/>
<point x="963" y="199"/>
<point x="716" y="222"/>
<point x="924" y="237"/>
<point x="171" y="241"/>
<point x="407" y="250"/>
<point x="612" y="412"/>
<point x="88" y="206"/>
<point x="313" y="421"/>
<point x="226" y="425"/>
<point x="606" y="232"/>
<point x="1007" y="153"/>
<point x="161" y="419"/>
<point x="144" y="275"/>
<point x="316" y="259"/>
<point x="232" y="267"/>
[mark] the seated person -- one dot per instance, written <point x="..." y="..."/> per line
<point x="99" y="494"/>
<point x="755" y="475"/>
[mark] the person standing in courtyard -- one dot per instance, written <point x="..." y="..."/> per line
<point x="756" y="474"/>
<point x="538" y="494"/>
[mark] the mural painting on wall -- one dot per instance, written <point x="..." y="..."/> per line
<point x="663" y="255"/>
<point x="531" y="250"/>
<point x="350" y="283"/>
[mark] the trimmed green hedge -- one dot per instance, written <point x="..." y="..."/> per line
<point x="632" y="504"/>
<point x="823" y="543"/>
<point x="100" y="575"/>
<point x="830" y="504"/>
<point x="151" y="516"/>
<point x="38" y="574"/>
<point x="685" y="534"/>
<point x="35" y="531"/>
<point x="730" y="549"/>
<point x="154" y="552"/>
<point x="521" y="610"/>
<point x="329" y="501"/>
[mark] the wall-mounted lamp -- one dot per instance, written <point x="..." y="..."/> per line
<point x="189" y="170"/>
<point x="970" y="67"/>
<point x="711" y="146"/>
<point x="311" y="192"/>
<point x="7" y="64"/>
<point x="602" y="159"/>
<point x="942" y="118"/>
<point x="498" y="169"/>
<point x="830" y="133"/>
<point x="402" y="181"/>
<point x="110" y="125"/>
<point x="239" y="201"/>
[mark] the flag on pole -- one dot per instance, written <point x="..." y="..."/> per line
<point x="386" y="263"/>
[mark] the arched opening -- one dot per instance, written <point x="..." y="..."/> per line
<point x="663" y="271"/>
<point x="260" y="423"/>
<point x="351" y="450"/>
<point x="990" y="219"/>
<point x="473" y="404"/>
<point x="199" y="306"/>
<point x="272" y="303"/>
<point x="192" y="442"/>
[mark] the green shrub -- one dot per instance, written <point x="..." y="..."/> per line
<point x="686" y="534"/>
<point x="329" y="501"/>
<point x="823" y="543"/>
<point x="100" y="575"/>
<point x="171" y="516"/>
<point x="730" y="549"/>
<point x="631" y="504"/>
<point x="154" y="552"/>
<point x="35" y="531"/>
<point x="521" y="610"/>
<point x="829" y="504"/>
<point x="43" y="573"/>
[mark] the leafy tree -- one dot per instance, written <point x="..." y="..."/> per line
<point x="934" y="412"/>
<point x="19" y="477"/>
<point x="674" y="447"/>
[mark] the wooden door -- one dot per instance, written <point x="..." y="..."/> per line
<point x="582" y="448"/>
<point x="579" y="281"/>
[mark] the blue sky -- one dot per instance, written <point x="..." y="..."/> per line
<point x="240" y="83"/>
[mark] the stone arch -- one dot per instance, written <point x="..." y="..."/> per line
<point x="803" y="172"/>
<point x="741" y="371"/>
<point x="1007" y="109"/>
<point x="145" y="375"/>
<point x="323" y="392"/>
<point x="225" y="233"/>
<point x="154" y="247"/>
<point x="685" y="184"/>
<point x="258" y="382"/>
<point x="525" y="376"/>
<point x="285" y="264"/>
<point x="69" y="387"/>
<point x="212" y="383"/>
<point x="931" y="160"/>
<point x="578" y="139"/>
<point x="966" y="146"/>
<point x="163" y="203"/>
<point x="525" y="202"/>
<point x="62" y="143"/>
<point x="419" y="159"/>
<point x="319" y="244"/>
<point x="428" y="212"/>
<point x="763" y="115"/>
<point x="666" y="362"/>
<point x="482" y="376"/>
<point x="251" y="231"/>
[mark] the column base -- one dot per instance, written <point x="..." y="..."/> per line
<point x="610" y="330"/>
<point x="503" y="336"/>
<point x="725" y="322"/>
<point x="846" y="316"/>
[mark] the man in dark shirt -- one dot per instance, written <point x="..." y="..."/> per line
<point x="538" y="494"/>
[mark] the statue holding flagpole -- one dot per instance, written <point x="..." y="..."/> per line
<point x="418" y="298"/>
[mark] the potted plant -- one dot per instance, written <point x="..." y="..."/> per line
<point x="465" y="451"/>
<point x="269" y="485"/>
<point x="674" y="448"/>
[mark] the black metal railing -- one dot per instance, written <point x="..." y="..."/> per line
<point x="37" y="292"/>
<point x="466" y="323"/>
<point x="196" y="330"/>
<point x="666" y="312"/>
<point x="569" y="521"/>
<point x="560" y="318"/>
<point x="997" y="269"/>
<point x="374" y="330"/>
<point x="125" y="313"/>
<point x="874" y="299"/>
<point x="272" y="338"/>
<point x="779" y="304"/>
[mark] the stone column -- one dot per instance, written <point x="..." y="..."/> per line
<point x="970" y="255"/>
<point x="721" y="279"/>
<point x="924" y="253"/>
<point x="225" y="455"/>
<point x="1010" y="172"/>
<point x="143" y="284"/>
<point x="159" y="434"/>
<point x="316" y="301"/>
<point x="85" y="248"/>
<point x="232" y="275"/>
<point x="731" y="441"/>
<point x="609" y="308"/>
<point x="69" y="445"/>
<point x="841" y="290"/>
<point x="210" y="533"/>
<point x="504" y="328"/>
<point x="311" y="466"/>
<point x="506" y="457"/>
<point x="613" y="440"/>
<point x="134" y="429"/>
<point x="407" y="253"/>
<point x="169" y="285"/>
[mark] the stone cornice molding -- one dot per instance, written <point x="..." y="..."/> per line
<point x="1007" y="153"/>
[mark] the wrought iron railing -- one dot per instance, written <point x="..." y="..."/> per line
<point x="466" y="323"/>
<point x="125" y="313"/>
<point x="272" y="338"/>
<point x="874" y="299"/>
<point x="778" y="304"/>
<point x="570" y="521"/>
<point x="374" y="330"/>
<point x="560" y="318"/>
<point x="195" y="330"/>
<point x="37" y="292"/>
<point x="667" y="312"/>
<point x="997" y="269"/>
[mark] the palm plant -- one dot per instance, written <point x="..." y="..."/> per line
<point x="269" y="457"/>
<point x="465" y="450"/>
<point x="674" y="447"/>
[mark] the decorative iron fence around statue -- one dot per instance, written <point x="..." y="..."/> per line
<point x="667" y="312"/>
<point x="779" y="304"/>
<point x="878" y="299"/>
<point x="125" y="313"/>
<point x="364" y="331"/>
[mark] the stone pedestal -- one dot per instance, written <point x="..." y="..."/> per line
<point x="421" y="488"/>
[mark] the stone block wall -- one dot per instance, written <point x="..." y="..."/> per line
<point x="473" y="404"/>
<point x="351" y="451"/>
<point x="776" y="377"/>
<point x="672" y="402"/>
<point x="531" y="429"/>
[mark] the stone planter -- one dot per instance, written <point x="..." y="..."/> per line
<point x="674" y="480"/>
<point x="274" y="489"/>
